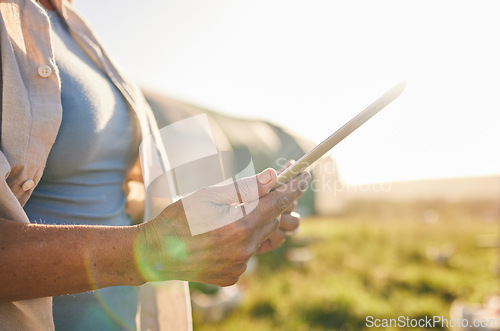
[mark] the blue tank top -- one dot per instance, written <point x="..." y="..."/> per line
<point x="83" y="180"/>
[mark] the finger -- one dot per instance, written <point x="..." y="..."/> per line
<point x="246" y="189"/>
<point x="292" y="207"/>
<point x="289" y="222"/>
<point x="273" y="205"/>
<point x="265" y="230"/>
<point x="263" y="182"/>
<point x="275" y="240"/>
<point x="276" y="202"/>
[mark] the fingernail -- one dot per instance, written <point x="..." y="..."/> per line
<point x="264" y="177"/>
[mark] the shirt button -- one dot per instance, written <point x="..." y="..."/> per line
<point x="28" y="185"/>
<point x="44" y="71"/>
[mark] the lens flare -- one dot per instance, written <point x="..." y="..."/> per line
<point x="109" y="313"/>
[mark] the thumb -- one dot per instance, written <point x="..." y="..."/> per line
<point x="265" y="181"/>
<point x="250" y="189"/>
<point x="247" y="189"/>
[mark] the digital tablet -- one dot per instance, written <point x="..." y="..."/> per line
<point x="314" y="154"/>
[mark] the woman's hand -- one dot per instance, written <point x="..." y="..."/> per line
<point x="166" y="249"/>
<point x="135" y="193"/>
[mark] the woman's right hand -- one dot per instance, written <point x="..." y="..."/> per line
<point x="165" y="248"/>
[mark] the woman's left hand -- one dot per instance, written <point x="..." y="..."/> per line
<point x="135" y="194"/>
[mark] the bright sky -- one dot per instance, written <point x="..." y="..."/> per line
<point x="312" y="65"/>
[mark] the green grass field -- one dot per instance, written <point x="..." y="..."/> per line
<point x="380" y="259"/>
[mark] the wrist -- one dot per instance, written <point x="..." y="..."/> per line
<point x="148" y="250"/>
<point x="131" y="264"/>
<point x="156" y="247"/>
<point x="112" y="262"/>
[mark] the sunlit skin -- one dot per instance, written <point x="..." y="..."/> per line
<point x="203" y="259"/>
<point x="45" y="260"/>
<point x="41" y="260"/>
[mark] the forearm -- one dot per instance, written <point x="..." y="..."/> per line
<point x="46" y="260"/>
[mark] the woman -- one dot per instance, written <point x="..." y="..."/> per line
<point x="68" y="114"/>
